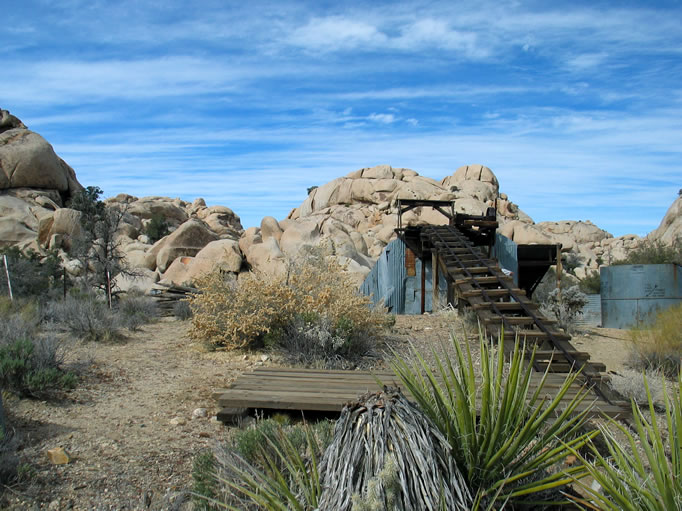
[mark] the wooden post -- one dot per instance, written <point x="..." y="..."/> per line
<point x="423" y="287"/>
<point x="9" y="283"/>
<point x="434" y="278"/>
<point x="559" y="269"/>
<point x="109" y="287"/>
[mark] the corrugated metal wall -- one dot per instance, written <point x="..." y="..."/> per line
<point x="632" y="294"/>
<point x="401" y="293"/>
<point x="591" y="315"/>
<point x="505" y="251"/>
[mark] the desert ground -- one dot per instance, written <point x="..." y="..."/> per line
<point x="131" y="427"/>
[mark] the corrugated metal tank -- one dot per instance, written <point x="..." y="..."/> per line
<point x="632" y="294"/>
<point x="401" y="293"/>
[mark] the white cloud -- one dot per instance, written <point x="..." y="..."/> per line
<point x="336" y="33"/>
<point x="382" y="118"/>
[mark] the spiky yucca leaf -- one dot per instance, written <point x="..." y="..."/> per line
<point x="286" y="482"/>
<point x="506" y="437"/>
<point x="630" y="481"/>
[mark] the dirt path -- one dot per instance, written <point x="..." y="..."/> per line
<point x="128" y="426"/>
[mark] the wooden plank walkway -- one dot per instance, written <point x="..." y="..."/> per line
<point x="281" y="388"/>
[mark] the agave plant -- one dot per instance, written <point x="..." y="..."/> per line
<point x="288" y="481"/>
<point x="507" y="437"/>
<point x="630" y="479"/>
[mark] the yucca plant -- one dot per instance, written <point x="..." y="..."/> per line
<point x="288" y="480"/>
<point x="507" y="436"/>
<point x="643" y="473"/>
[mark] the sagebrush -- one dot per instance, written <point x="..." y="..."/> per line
<point x="313" y="300"/>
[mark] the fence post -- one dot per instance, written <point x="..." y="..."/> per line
<point x="9" y="283"/>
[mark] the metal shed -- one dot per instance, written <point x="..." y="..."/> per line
<point x="396" y="279"/>
<point x="632" y="294"/>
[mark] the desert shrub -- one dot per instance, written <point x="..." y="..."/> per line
<point x="31" y="274"/>
<point x="645" y="470"/>
<point x="271" y="461"/>
<point x="157" y="227"/>
<point x="182" y="310"/>
<point x="630" y="384"/>
<point x="506" y="438"/>
<point x="659" y="346"/>
<point x="262" y="308"/>
<point x="32" y="366"/>
<point x="135" y="311"/>
<point x="570" y="262"/>
<point x="565" y="305"/>
<point x="591" y="284"/>
<point x="650" y="251"/>
<point x="9" y="462"/>
<point x="87" y="318"/>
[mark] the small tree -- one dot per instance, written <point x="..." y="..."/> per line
<point x="98" y="247"/>
<point x="157" y="228"/>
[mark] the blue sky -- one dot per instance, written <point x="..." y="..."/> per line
<point x="576" y="106"/>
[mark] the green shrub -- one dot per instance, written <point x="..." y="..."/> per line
<point x="135" y="311"/>
<point x="565" y="305"/>
<point x="87" y="318"/>
<point x="182" y="310"/>
<point x="32" y="367"/>
<point x="31" y="274"/>
<point x="270" y="465"/>
<point x="591" y="284"/>
<point x="654" y="252"/>
<point x="157" y="228"/>
<point x="506" y="439"/>
<point x="645" y="470"/>
<point x="659" y="346"/>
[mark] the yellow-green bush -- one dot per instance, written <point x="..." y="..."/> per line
<point x="261" y="307"/>
<point x="659" y="346"/>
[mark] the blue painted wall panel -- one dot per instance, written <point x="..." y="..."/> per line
<point x="634" y="293"/>
<point x="505" y="251"/>
<point x="388" y="281"/>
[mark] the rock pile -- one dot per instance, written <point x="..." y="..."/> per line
<point x="351" y="219"/>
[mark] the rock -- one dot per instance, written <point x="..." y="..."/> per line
<point x="64" y="221"/>
<point x="471" y="173"/>
<point x="267" y="256"/>
<point x="27" y="160"/>
<point x="58" y="456"/>
<point x="269" y="228"/>
<point x="264" y="358"/>
<point x="165" y="207"/>
<point x="143" y="282"/>
<point x="220" y="254"/>
<point x="524" y="234"/>
<point x="177" y="421"/>
<point x="199" y="413"/>
<point x="670" y="228"/>
<point x="305" y="233"/>
<point x="187" y="240"/>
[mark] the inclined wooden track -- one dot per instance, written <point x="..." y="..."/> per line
<point x="503" y="308"/>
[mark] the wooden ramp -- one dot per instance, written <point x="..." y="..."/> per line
<point x="280" y="388"/>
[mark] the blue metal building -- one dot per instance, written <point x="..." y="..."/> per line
<point x="633" y="294"/>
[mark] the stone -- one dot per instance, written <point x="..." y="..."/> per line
<point x="670" y="228"/>
<point x="305" y="233"/>
<point x="147" y="207"/>
<point x="270" y="228"/>
<point x="58" y="456"/>
<point x="177" y="421"/>
<point x="27" y="160"/>
<point x="199" y="413"/>
<point x="187" y="240"/>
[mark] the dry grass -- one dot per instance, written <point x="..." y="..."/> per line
<point x="659" y="346"/>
